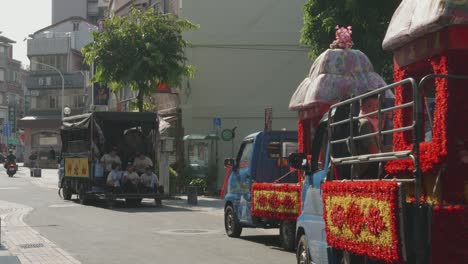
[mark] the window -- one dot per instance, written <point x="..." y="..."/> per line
<point x="76" y="26"/>
<point x="2" y="49"/>
<point x="246" y="156"/>
<point x="79" y="101"/>
<point x="278" y="150"/>
<point x="274" y="150"/>
<point x="53" y="102"/>
<point x="323" y="152"/>
<point x="2" y="75"/>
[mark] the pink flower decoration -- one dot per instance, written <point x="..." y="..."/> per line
<point x="343" y="38"/>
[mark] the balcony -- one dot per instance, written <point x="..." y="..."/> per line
<point x="49" y="45"/>
<point x="51" y="80"/>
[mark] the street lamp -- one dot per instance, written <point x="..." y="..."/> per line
<point x="63" y="81"/>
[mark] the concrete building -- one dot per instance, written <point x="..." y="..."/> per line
<point x="122" y="7"/>
<point x="12" y="79"/>
<point x="92" y="10"/>
<point x="55" y="46"/>
<point x="248" y="58"/>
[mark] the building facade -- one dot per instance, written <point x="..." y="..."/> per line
<point x="54" y="51"/>
<point x="247" y="59"/>
<point x="12" y="80"/>
<point x="92" y="10"/>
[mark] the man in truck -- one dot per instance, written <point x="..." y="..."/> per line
<point x="369" y="145"/>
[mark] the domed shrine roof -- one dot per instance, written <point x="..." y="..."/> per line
<point x="415" y="18"/>
<point x="337" y="73"/>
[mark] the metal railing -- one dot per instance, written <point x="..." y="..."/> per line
<point x="412" y="153"/>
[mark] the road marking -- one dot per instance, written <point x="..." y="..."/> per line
<point x="63" y="205"/>
<point x="9" y="188"/>
<point x="188" y="232"/>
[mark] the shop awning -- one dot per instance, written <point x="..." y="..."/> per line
<point x="201" y="137"/>
<point x="39" y="122"/>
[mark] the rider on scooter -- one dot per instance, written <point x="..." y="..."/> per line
<point x="11" y="158"/>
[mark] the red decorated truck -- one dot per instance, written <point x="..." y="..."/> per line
<point x="412" y="207"/>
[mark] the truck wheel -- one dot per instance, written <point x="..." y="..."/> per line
<point x="231" y="223"/>
<point x="302" y="253"/>
<point x="82" y="196"/>
<point x="287" y="234"/>
<point x="67" y="193"/>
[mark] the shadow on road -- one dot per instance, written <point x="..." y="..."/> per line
<point x="271" y="241"/>
<point x="145" y="207"/>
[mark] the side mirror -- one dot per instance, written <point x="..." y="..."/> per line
<point x="299" y="161"/>
<point x="229" y="162"/>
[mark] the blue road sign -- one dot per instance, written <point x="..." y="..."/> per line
<point x="7" y="129"/>
<point x="217" y="122"/>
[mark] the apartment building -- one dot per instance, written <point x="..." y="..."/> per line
<point x="92" y="10"/>
<point x="54" y="51"/>
<point x="12" y="79"/>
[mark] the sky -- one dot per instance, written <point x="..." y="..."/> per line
<point x="19" y="18"/>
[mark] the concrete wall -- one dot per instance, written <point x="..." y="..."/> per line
<point x="63" y="9"/>
<point x="248" y="58"/>
<point x="79" y="38"/>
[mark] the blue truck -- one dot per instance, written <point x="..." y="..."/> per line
<point x="262" y="159"/>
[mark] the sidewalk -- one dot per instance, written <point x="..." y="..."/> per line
<point x="205" y="204"/>
<point x="22" y="243"/>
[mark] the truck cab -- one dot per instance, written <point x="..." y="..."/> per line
<point x="262" y="158"/>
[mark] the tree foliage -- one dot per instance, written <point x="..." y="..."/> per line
<point x="369" y="19"/>
<point x="140" y="50"/>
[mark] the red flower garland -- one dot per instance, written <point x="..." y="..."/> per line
<point x="275" y="201"/>
<point x="354" y="218"/>
<point x="375" y="223"/>
<point x="338" y="216"/>
<point x="378" y="191"/>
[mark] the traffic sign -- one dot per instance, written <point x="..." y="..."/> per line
<point x="217" y="122"/>
<point x="227" y="134"/>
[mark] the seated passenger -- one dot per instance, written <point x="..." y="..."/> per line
<point x="110" y="158"/>
<point x="148" y="180"/>
<point x="130" y="178"/>
<point x="114" y="177"/>
<point x="141" y="163"/>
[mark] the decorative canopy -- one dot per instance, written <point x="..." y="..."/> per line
<point x="415" y="18"/>
<point x="336" y="74"/>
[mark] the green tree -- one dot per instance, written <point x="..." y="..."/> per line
<point x="140" y="50"/>
<point x="369" y="19"/>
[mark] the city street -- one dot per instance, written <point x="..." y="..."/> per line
<point x="173" y="233"/>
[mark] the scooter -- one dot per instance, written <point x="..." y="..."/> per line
<point x="11" y="169"/>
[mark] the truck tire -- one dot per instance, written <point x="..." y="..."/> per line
<point x="67" y="193"/>
<point x="287" y="235"/>
<point x="82" y="196"/>
<point x="231" y="223"/>
<point x="302" y="253"/>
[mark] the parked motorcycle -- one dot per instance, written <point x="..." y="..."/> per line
<point x="11" y="169"/>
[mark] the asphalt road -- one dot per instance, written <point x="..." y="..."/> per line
<point x="173" y="233"/>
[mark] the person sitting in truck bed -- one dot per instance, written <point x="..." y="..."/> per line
<point x="110" y="158"/>
<point x="141" y="163"/>
<point x="114" y="178"/>
<point x="148" y="180"/>
<point x="130" y="178"/>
